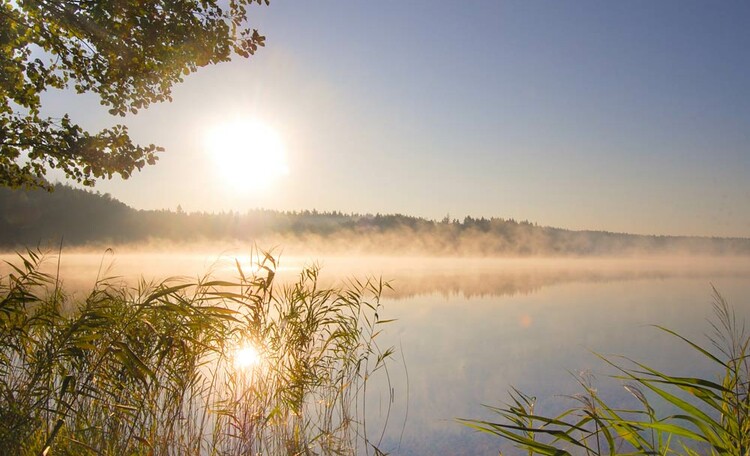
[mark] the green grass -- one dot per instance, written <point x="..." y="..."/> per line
<point x="708" y="415"/>
<point x="150" y="370"/>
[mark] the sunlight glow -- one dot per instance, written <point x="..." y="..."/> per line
<point x="246" y="356"/>
<point x="249" y="154"/>
<point x="248" y="263"/>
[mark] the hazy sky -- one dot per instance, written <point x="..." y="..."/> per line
<point x="624" y="116"/>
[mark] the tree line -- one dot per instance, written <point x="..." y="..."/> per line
<point x="82" y="217"/>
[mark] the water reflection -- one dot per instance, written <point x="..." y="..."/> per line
<point x="246" y="356"/>
<point x="495" y="278"/>
<point x="410" y="277"/>
<point x="463" y="351"/>
<point x="471" y="329"/>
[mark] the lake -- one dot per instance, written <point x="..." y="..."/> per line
<point x="470" y="329"/>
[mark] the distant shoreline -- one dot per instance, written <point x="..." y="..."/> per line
<point x="83" y="219"/>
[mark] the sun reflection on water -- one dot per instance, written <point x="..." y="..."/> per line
<point x="246" y="356"/>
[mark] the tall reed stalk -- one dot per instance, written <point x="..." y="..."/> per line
<point x="157" y="369"/>
<point x="709" y="415"/>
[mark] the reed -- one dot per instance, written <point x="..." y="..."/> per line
<point x="707" y="415"/>
<point x="187" y="367"/>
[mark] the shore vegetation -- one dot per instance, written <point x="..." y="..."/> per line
<point x="182" y="367"/>
<point x="676" y="415"/>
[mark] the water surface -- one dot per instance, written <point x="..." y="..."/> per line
<point x="468" y="330"/>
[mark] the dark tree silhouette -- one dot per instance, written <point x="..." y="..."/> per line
<point x="29" y="217"/>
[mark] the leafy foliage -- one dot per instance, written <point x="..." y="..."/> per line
<point x="711" y="416"/>
<point x="129" y="53"/>
<point x="152" y="369"/>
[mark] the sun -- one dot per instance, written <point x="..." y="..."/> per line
<point x="249" y="154"/>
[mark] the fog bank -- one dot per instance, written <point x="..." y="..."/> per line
<point x="409" y="276"/>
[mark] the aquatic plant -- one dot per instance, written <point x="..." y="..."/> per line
<point x="187" y="367"/>
<point x="704" y="415"/>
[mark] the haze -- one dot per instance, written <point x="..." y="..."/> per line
<point x="410" y="276"/>
<point x="525" y="181"/>
<point x="620" y="116"/>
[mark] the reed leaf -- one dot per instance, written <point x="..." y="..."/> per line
<point x="713" y="418"/>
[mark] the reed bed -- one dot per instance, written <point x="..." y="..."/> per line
<point x="178" y="367"/>
<point x="704" y="415"/>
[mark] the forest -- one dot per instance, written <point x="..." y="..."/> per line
<point x="84" y="218"/>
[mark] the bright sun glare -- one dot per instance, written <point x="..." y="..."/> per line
<point x="249" y="154"/>
<point x="246" y="356"/>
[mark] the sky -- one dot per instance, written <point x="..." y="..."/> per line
<point x="620" y="116"/>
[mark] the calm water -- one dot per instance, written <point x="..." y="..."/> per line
<point x="468" y="330"/>
<point x="463" y="351"/>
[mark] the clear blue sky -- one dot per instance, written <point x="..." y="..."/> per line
<point x="624" y="116"/>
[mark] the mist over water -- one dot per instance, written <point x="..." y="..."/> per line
<point x="469" y="329"/>
<point x="409" y="276"/>
<point x="536" y="193"/>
